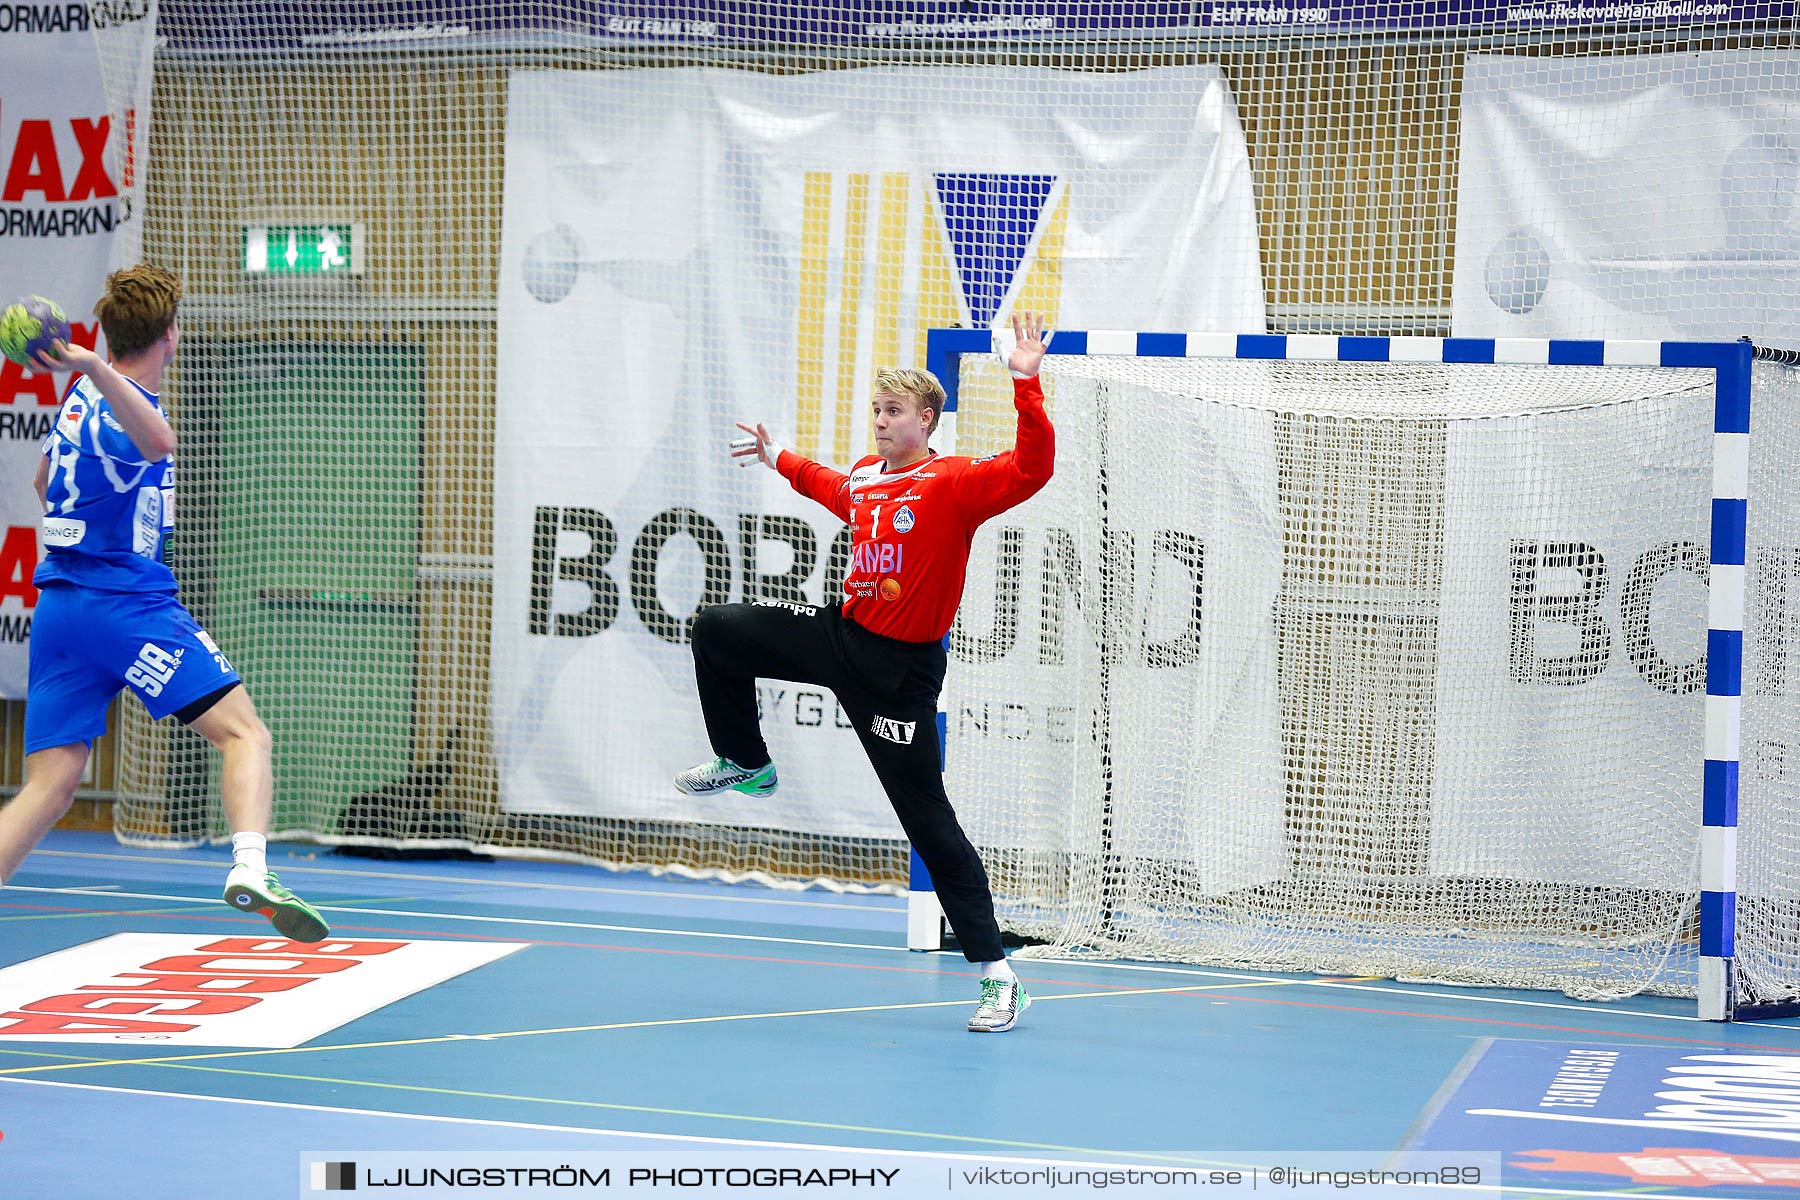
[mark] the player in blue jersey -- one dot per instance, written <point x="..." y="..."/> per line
<point x="107" y="617"/>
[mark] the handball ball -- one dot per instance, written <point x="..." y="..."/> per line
<point x="33" y="324"/>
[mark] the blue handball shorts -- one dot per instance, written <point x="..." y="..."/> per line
<point x="86" y="645"/>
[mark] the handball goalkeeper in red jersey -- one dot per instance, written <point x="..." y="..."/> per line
<point x="880" y="646"/>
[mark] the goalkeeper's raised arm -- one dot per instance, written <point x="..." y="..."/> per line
<point x="990" y="486"/>
<point x="911" y="511"/>
<point x="880" y="645"/>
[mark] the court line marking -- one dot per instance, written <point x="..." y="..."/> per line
<point x="1121" y="989"/>
<point x="441" y="1039"/>
<point x="1169" y="1159"/>
<point x="1139" y="1158"/>
<point x="86" y="913"/>
<point x="1450" y="992"/>
<point x="885" y="902"/>
<point x="1239" y="982"/>
<point x="750" y="1143"/>
<point x="1122" y="1157"/>
<point x="1234" y="990"/>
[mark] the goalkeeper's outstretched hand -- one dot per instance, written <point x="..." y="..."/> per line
<point x="759" y="447"/>
<point x="1029" y="350"/>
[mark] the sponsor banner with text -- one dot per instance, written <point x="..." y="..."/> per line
<point x="71" y="191"/>
<point x="1564" y="605"/>
<point x="408" y="25"/>
<point x="1687" y="1121"/>
<point x="754" y="251"/>
<point x="1632" y="196"/>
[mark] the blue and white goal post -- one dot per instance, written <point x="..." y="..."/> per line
<point x="1716" y="778"/>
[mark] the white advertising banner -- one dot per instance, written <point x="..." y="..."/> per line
<point x="684" y="249"/>
<point x="71" y="190"/>
<point x="1144" y="706"/>
<point x="1647" y="196"/>
<point x="1572" y="645"/>
<point x="1652" y="196"/>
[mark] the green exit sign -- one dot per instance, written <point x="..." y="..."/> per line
<point x="304" y="248"/>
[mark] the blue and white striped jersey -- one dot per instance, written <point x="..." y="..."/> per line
<point x="108" y="510"/>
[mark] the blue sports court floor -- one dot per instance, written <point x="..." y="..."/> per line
<point x="580" y="1012"/>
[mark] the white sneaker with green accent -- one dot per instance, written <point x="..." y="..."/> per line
<point x="1001" y="1003"/>
<point x="723" y="775"/>
<point x="264" y="895"/>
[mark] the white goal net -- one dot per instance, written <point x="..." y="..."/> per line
<point x="1377" y="669"/>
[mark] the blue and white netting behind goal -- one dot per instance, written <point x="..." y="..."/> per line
<point x="451" y="514"/>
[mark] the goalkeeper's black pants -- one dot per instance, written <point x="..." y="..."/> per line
<point x="889" y="691"/>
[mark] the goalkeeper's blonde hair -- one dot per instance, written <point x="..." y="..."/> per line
<point x="922" y="386"/>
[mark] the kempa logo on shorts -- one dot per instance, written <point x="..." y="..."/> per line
<point x="153" y="669"/>
<point x="890" y="730"/>
<point x="801" y="610"/>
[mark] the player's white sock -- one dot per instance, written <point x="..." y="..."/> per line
<point x="251" y="850"/>
<point x="999" y="969"/>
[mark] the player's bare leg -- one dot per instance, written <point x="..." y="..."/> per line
<point x="51" y="777"/>
<point x="247" y="790"/>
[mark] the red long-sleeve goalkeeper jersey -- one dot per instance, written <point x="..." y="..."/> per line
<point x="911" y="529"/>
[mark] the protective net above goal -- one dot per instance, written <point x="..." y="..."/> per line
<point x="1377" y="668"/>
<point x="476" y="291"/>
